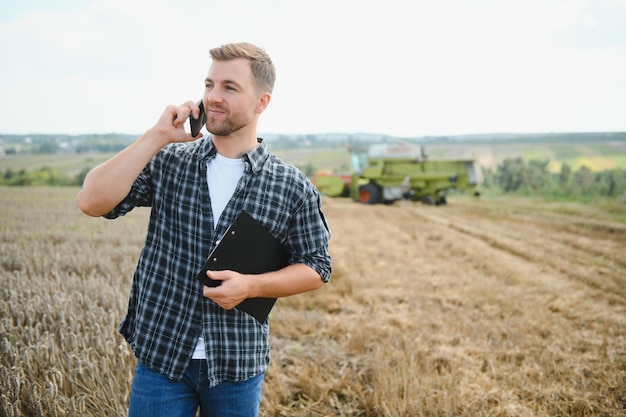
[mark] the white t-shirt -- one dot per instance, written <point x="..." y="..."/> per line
<point x="222" y="176"/>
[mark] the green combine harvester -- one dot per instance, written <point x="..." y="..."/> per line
<point x="379" y="172"/>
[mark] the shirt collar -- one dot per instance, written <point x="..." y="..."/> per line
<point x="255" y="158"/>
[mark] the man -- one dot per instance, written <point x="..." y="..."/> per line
<point x="194" y="349"/>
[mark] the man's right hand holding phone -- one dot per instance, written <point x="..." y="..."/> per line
<point x="171" y="124"/>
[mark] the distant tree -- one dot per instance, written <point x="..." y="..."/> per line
<point x="611" y="183"/>
<point x="565" y="175"/>
<point x="536" y="176"/>
<point x="309" y="169"/>
<point x="584" y="178"/>
<point x="48" y="146"/>
<point x="8" y="175"/>
<point x="80" y="177"/>
<point x="509" y="174"/>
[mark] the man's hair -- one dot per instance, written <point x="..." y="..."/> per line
<point x="262" y="67"/>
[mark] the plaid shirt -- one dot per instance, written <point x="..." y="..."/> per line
<point x="167" y="311"/>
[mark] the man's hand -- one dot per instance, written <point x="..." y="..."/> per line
<point x="171" y="124"/>
<point x="234" y="289"/>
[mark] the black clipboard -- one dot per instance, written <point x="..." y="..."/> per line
<point x="247" y="247"/>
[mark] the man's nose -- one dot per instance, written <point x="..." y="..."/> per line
<point x="214" y="95"/>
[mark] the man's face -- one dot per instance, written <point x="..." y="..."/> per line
<point x="230" y="97"/>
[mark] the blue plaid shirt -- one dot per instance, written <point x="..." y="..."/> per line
<point x="167" y="311"/>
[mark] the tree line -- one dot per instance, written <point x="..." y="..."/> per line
<point x="534" y="178"/>
<point x="42" y="176"/>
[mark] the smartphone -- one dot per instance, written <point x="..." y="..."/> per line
<point x="196" y="124"/>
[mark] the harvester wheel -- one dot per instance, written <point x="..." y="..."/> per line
<point x="369" y="193"/>
<point x="428" y="199"/>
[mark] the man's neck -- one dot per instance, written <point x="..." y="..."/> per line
<point x="235" y="146"/>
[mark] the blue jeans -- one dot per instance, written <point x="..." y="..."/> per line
<point x="154" y="395"/>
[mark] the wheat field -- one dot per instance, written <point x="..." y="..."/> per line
<point x="479" y="308"/>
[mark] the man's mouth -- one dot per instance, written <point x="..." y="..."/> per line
<point x="216" y="111"/>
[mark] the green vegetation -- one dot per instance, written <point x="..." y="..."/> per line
<point x="534" y="178"/>
<point x="47" y="169"/>
<point x="42" y="176"/>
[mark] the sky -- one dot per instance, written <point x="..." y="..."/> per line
<point x="407" y="68"/>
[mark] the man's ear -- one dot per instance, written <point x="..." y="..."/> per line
<point x="264" y="101"/>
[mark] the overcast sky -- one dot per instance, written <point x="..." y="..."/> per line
<point x="395" y="67"/>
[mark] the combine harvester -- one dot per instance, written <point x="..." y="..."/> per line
<point x="380" y="170"/>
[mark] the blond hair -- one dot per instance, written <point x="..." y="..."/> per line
<point x="262" y="67"/>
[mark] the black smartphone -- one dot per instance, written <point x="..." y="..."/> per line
<point x="196" y="124"/>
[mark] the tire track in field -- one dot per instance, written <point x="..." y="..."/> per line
<point x="547" y="241"/>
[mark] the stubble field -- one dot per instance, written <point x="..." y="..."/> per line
<point x="479" y="308"/>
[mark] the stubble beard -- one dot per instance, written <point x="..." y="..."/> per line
<point x="227" y="127"/>
<point x="222" y="129"/>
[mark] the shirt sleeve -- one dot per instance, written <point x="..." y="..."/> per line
<point x="140" y="194"/>
<point x="309" y="234"/>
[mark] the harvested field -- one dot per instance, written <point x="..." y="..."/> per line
<point x="479" y="308"/>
